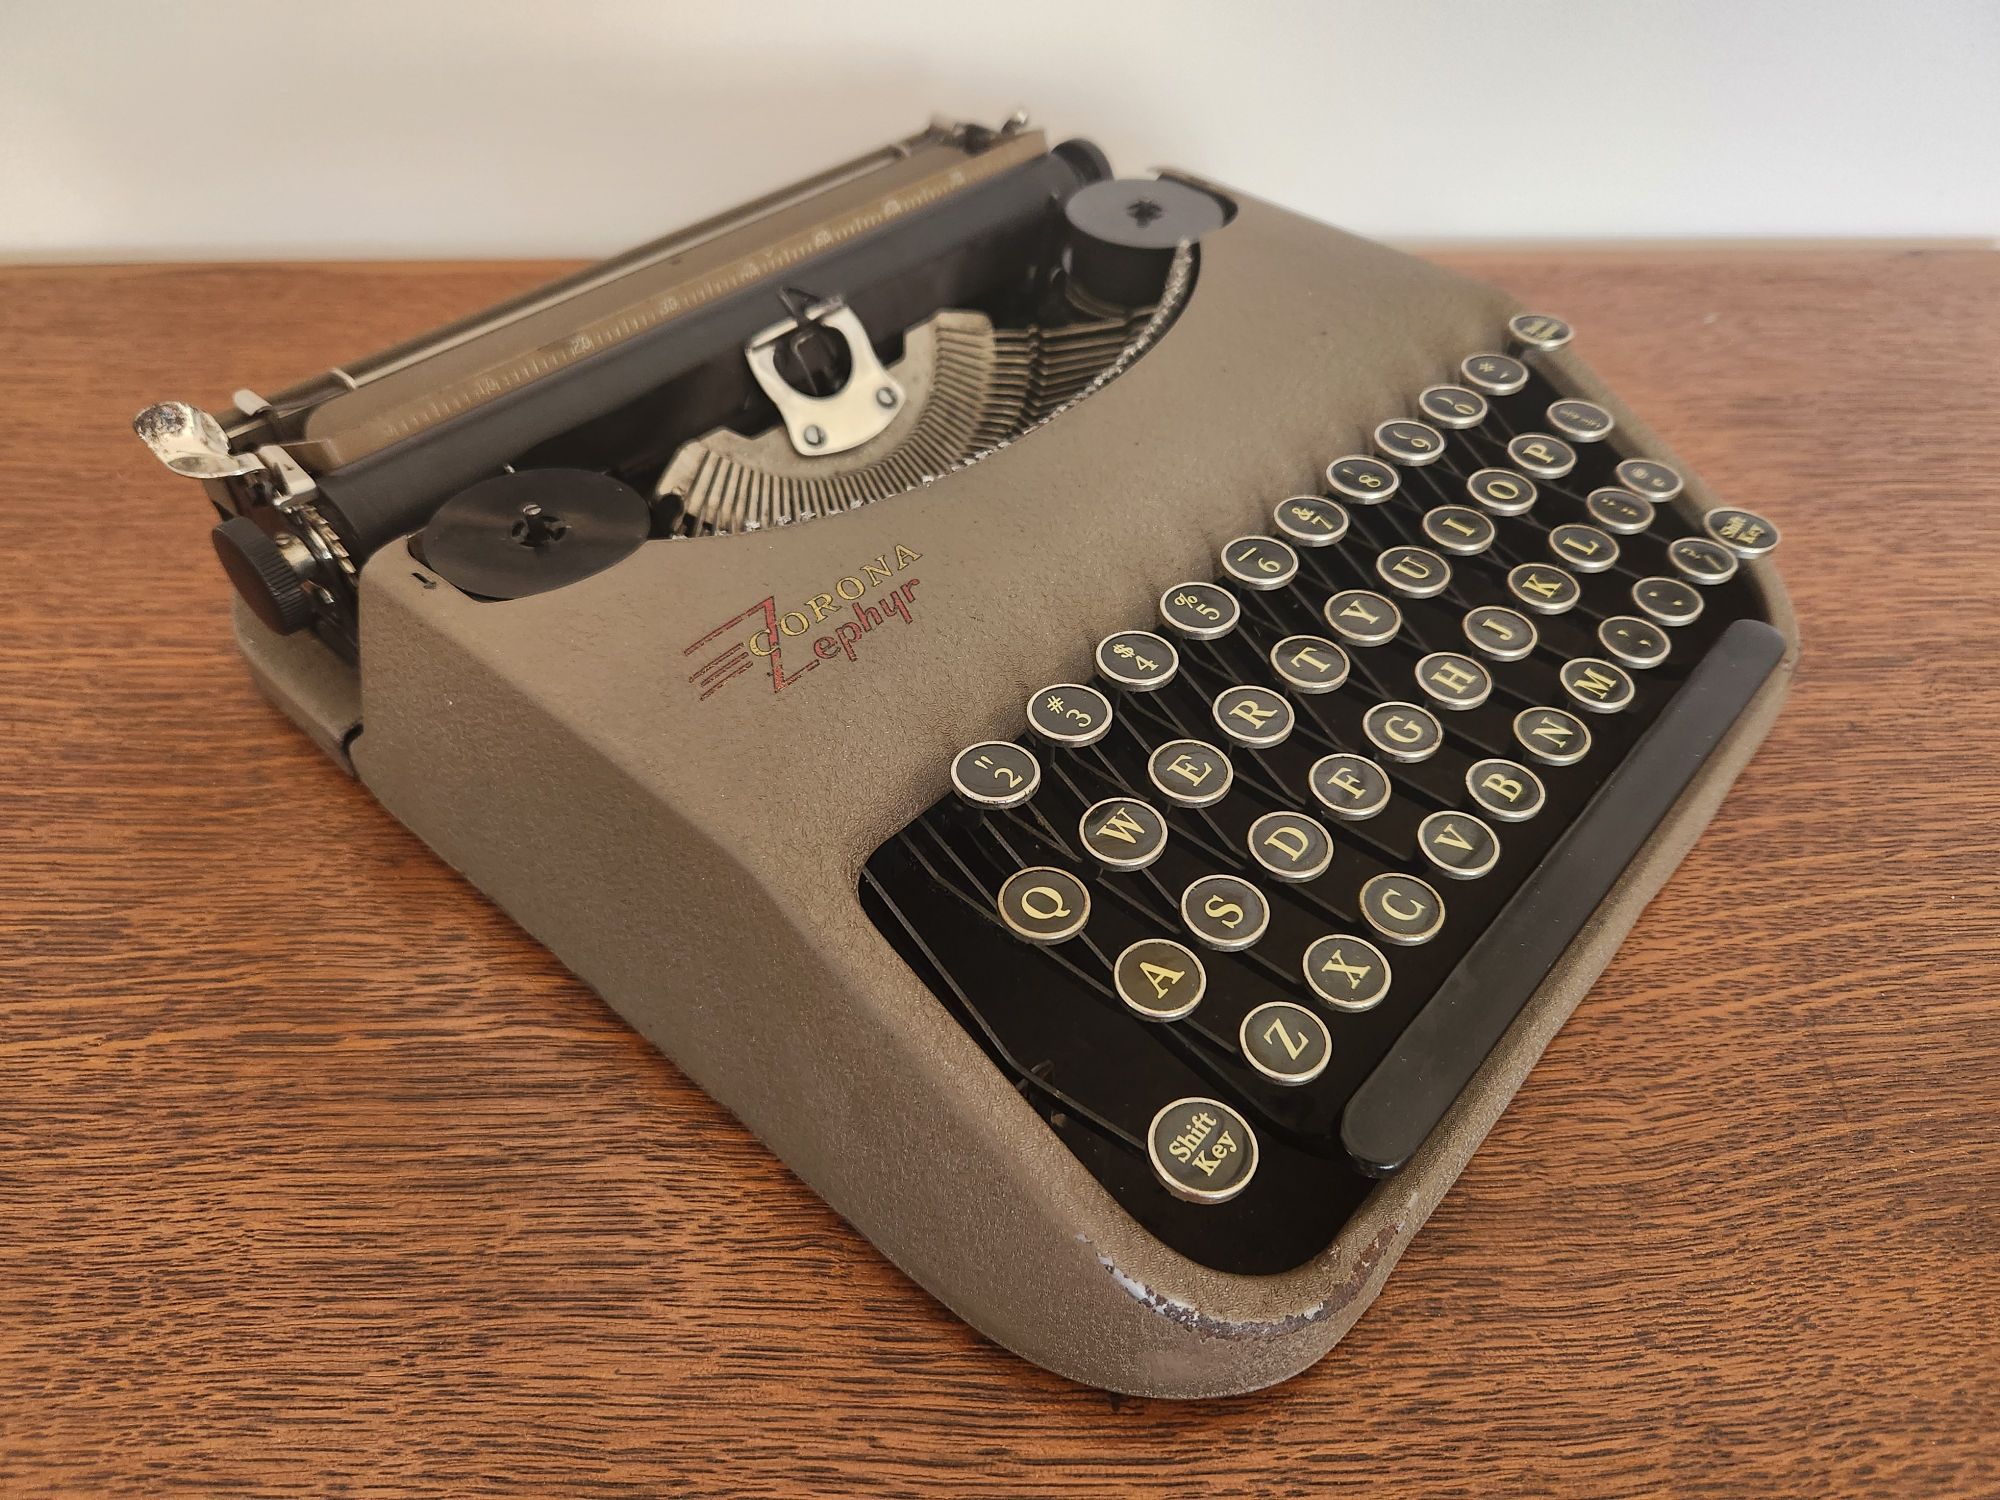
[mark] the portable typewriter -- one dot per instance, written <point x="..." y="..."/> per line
<point x="1110" y="723"/>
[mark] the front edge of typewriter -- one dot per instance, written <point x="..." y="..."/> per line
<point x="875" y="1095"/>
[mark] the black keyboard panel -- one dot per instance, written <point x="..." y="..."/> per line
<point x="1197" y="1023"/>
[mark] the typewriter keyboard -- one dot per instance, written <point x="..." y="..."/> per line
<point x="1241" y="915"/>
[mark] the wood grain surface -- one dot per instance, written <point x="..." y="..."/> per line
<point x="318" y="1177"/>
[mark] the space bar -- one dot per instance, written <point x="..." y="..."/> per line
<point x="1408" y="1093"/>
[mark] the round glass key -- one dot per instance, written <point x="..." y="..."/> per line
<point x="1351" y="787"/>
<point x="1347" y="972"/>
<point x="1743" y="532"/>
<point x="1505" y="789"/>
<point x="995" y="774"/>
<point x="1495" y="374"/>
<point x="1415" y="571"/>
<point x="1599" y="687"/>
<point x="1633" y="641"/>
<point x="1501" y="491"/>
<point x="1543" y="588"/>
<point x="1459" y="529"/>
<point x="1225" y="912"/>
<point x="1137" y="659"/>
<point x="1500" y="633"/>
<point x="1701" y="561"/>
<point x="1160" y="979"/>
<point x="1290" y="846"/>
<point x="1253" y="715"/>
<point x="1452" y="406"/>
<point x="1535" y="330"/>
<point x="1671" y="601"/>
<point x="1580" y="421"/>
<point x="1311" y="520"/>
<point x="1200" y="611"/>
<point x="1260" y="562"/>
<point x="1190" y="773"/>
<point x="1044" y="904"/>
<point x="1552" y="735"/>
<point x="1122" y="833"/>
<point x="1402" y="909"/>
<point x="1408" y="442"/>
<point x="1068" y="713"/>
<point x="1403" y="731"/>
<point x="1457" y="845"/>
<point x="1619" y="510"/>
<point x="1201" y="1150"/>
<point x="1649" y="477"/>
<point x="1453" y="680"/>
<point x="1285" y="1042"/>
<point x="1539" y="454"/>
<point x="1362" y="617"/>
<point x="1358" y="477"/>
<point x="1310" y="663"/>
<point x="1583" y="548"/>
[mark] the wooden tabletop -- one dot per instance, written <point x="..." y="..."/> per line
<point x="317" y="1176"/>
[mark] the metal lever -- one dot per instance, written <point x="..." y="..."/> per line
<point x="861" y="409"/>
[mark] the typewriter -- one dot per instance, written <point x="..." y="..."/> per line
<point x="1108" y="722"/>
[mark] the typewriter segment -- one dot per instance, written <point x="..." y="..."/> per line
<point x="1241" y="915"/>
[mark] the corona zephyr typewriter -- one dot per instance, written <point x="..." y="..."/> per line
<point x="1110" y="723"/>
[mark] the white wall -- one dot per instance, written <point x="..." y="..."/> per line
<point x="317" y="128"/>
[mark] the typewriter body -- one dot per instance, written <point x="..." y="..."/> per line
<point x="1108" y="722"/>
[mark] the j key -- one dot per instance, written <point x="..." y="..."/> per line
<point x="1044" y="904"/>
<point x="1160" y="979"/>
<point x="1260" y="562"/>
<point x="1285" y="1042"/>
<point x="1452" y="406"/>
<point x="1538" y="331"/>
<point x="1580" y="421"/>
<point x="1597" y="686"/>
<point x="1552" y="736"/>
<point x="1505" y="789"/>
<point x="1368" y="480"/>
<point x="1122" y="833"/>
<point x="1500" y="633"/>
<point x="1458" y="845"/>
<point x="1067" y="713"/>
<point x="1743" y="532"/>
<point x="1619" y="510"/>
<point x="1347" y="972"/>
<point x="1539" y="454"/>
<point x="1225" y="912"/>
<point x="1200" y="611"/>
<point x="1310" y="663"/>
<point x="1311" y="520"/>
<point x="995" y="774"/>
<point x="1410" y="443"/>
<point x="1190" y="773"/>
<point x="1402" y="908"/>
<point x="1137" y="659"/>
<point x="1501" y="491"/>
<point x="1495" y="374"/>
<point x="1202" y="1150"/>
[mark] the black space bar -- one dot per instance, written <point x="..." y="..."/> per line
<point x="1436" y="1056"/>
